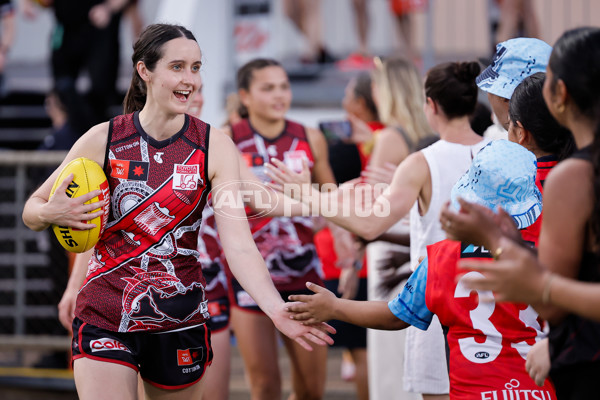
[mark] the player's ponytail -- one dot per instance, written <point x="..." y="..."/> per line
<point x="136" y="95"/>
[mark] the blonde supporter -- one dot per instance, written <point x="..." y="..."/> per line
<point x="397" y="91"/>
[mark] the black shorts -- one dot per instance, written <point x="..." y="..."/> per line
<point x="168" y="360"/>
<point x="219" y="311"/>
<point x="349" y="336"/>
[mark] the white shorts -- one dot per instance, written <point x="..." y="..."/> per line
<point x="425" y="368"/>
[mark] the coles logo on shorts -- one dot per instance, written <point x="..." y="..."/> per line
<point x="186" y="177"/>
<point x="107" y="344"/>
<point x="189" y="356"/>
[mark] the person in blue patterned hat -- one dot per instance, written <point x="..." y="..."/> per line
<point x="515" y="60"/>
<point x="562" y="282"/>
<point x="487" y="342"/>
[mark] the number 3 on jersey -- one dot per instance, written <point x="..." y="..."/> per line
<point x="487" y="351"/>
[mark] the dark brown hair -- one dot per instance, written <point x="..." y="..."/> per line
<point x="245" y="75"/>
<point x="362" y="90"/>
<point x="148" y="49"/>
<point x="452" y="86"/>
<point x="528" y="107"/>
<point x="575" y="60"/>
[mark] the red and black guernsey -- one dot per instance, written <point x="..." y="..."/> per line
<point x="544" y="165"/>
<point x="212" y="257"/>
<point x="144" y="273"/>
<point x="286" y="244"/>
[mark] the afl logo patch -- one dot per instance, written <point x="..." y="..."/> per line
<point x="482" y="355"/>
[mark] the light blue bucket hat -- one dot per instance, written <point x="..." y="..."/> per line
<point x="515" y="60"/>
<point x="502" y="175"/>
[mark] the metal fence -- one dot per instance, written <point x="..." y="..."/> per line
<point x="33" y="266"/>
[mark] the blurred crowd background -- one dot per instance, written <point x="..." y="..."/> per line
<point x="232" y="31"/>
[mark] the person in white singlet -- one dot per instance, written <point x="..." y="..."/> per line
<point x="398" y="95"/>
<point x="421" y="185"/>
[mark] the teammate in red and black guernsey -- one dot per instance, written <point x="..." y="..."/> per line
<point x="488" y="342"/>
<point x="286" y="243"/>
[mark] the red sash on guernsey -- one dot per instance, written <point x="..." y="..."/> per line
<point x="488" y="341"/>
<point x="145" y="273"/>
<point x="544" y="165"/>
<point x="145" y="225"/>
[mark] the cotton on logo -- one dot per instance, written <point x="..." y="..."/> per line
<point x="107" y="344"/>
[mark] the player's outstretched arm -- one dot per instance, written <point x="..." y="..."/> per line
<point x="240" y="250"/>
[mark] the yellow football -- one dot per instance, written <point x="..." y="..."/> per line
<point x="87" y="176"/>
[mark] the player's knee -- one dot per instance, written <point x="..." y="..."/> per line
<point x="309" y="393"/>
<point x="266" y="387"/>
<point x="266" y="392"/>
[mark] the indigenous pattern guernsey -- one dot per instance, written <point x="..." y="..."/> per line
<point x="286" y="244"/>
<point x="212" y="257"/>
<point x="145" y="272"/>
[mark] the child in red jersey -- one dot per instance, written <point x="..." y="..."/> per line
<point x="532" y="126"/>
<point x="488" y="342"/>
<point x="570" y="234"/>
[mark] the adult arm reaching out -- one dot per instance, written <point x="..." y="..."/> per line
<point x="548" y="282"/>
<point x="518" y="276"/>
<point x="410" y="178"/>
<point x="240" y="250"/>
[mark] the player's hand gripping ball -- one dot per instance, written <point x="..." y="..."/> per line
<point x="87" y="176"/>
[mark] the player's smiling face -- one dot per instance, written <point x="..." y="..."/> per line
<point x="176" y="75"/>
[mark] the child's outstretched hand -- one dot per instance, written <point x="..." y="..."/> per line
<point x="312" y="309"/>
